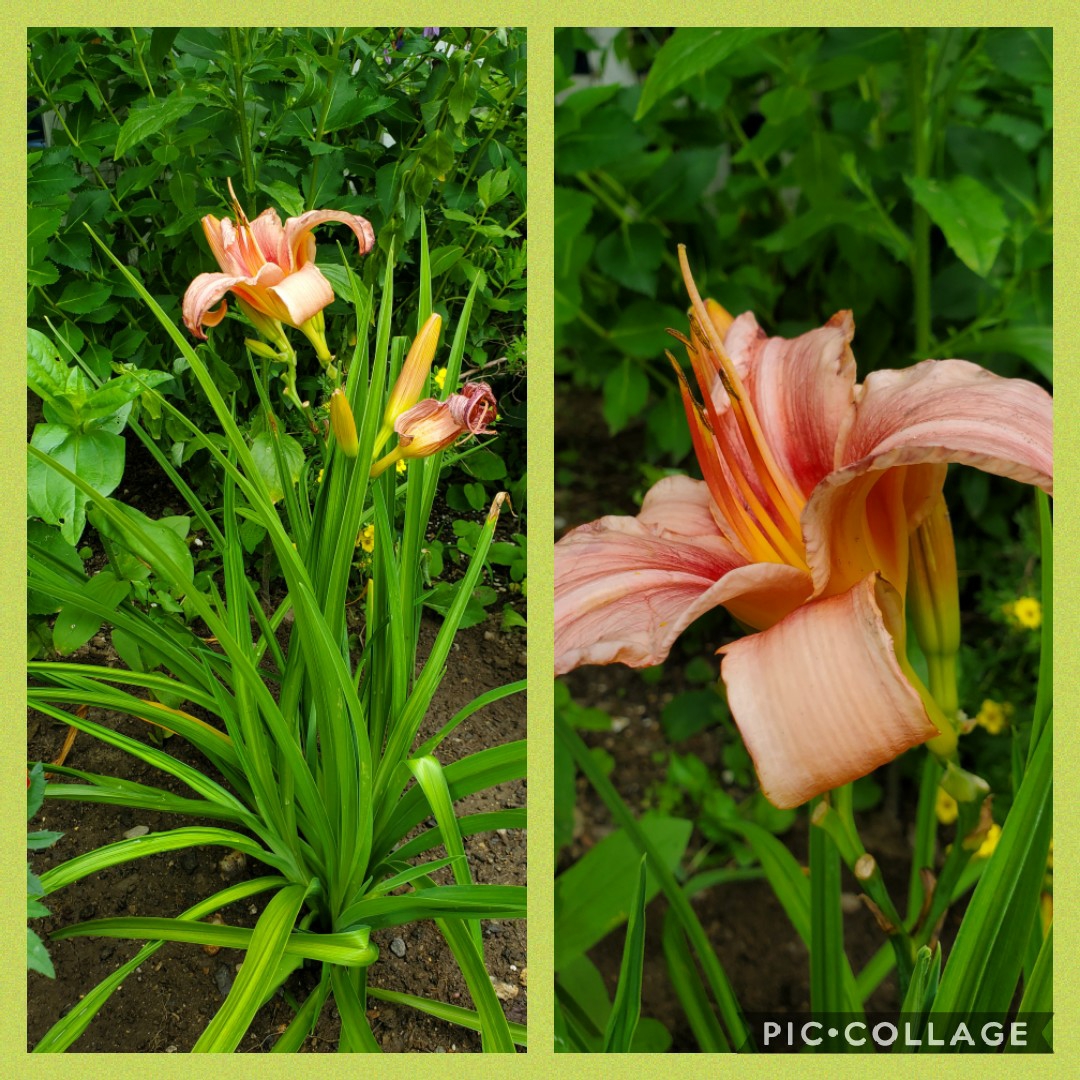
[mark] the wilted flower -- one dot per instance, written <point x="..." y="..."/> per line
<point x="430" y="425"/>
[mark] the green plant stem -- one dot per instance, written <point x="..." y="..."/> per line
<point x="680" y="905"/>
<point x="920" y="141"/>
<point x="241" y="110"/>
<point x="139" y="57"/>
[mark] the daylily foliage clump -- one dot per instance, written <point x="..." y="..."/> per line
<point x="813" y="487"/>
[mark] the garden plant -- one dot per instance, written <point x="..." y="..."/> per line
<point x="875" y="670"/>
<point x="290" y="399"/>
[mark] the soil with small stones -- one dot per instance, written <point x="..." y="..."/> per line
<point x="166" y="1003"/>
<point x="763" y="957"/>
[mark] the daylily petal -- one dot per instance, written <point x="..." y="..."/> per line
<point x="625" y="588"/>
<point x="301" y="243"/>
<point x="920" y="418"/>
<point x="301" y="294"/>
<point x="270" y="236"/>
<point x="208" y="289"/>
<point x="678" y="504"/>
<point x="624" y="594"/>
<point x="820" y="699"/>
<point x="801" y="390"/>
<point x="859" y="520"/>
<point x="952" y="410"/>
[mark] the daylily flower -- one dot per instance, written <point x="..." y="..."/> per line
<point x="430" y="425"/>
<point x="813" y="484"/>
<point x="271" y="270"/>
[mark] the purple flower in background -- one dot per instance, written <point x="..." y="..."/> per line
<point x="431" y="31"/>
<point x="386" y="55"/>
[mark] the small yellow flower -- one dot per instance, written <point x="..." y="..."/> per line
<point x="947" y="809"/>
<point x="986" y="849"/>
<point x="402" y="465"/>
<point x="440" y="377"/>
<point x="994" y="716"/>
<point x="366" y="539"/>
<point x="1025" y="612"/>
<point x="318" y="479"/>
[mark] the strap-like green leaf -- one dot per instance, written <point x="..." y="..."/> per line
<point x="268" y="941"/>
<point x="626" y="1009"/>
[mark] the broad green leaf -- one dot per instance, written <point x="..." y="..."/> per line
<point x="691" y="51"/>
<point x="46" y="374"/>
<point x="41" y="223"/>
<point x="969" y="214"/>
<point x="626" y="389"/>
<point x="785" y="103"/>
<point x="632" y="256"/>
<point x="462" y="97"/>
<point x="640" y="329"/>
<point x="262" y="450"/>
<point x="150" y="118"/>
<point x="134" y="559"/>
<point x="95" y="456"/>
<point x="75" y="625"/>
<point x="84" y="296"/>
<point x="604" y="137"/>
<point x="592" y="896"/>
<point x="573" y="209"/>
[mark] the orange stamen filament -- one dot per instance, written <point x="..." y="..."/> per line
<point x="757" y="535"/>
<point x="788" y="501"/>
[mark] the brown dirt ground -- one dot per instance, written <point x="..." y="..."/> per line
<point x="164" y="1006"/>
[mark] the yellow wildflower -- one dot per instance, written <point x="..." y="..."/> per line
<point x="986" y="849"/>
<point x="366" y="539"/>
<point x="947" y="809"/>
<point x="1025" y="612"/>
<point x="994" y="716"/>
<point x="402" y="465"/>
<point x="440" y="377"/>
<point x="318" y="479"/>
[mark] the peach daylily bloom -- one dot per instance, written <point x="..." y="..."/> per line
<point x="813" y="485"/>
<point x="269" y="267"/>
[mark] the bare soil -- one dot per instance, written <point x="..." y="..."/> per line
<point x="165" y="1005"/>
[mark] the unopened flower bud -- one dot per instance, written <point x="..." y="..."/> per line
<point x="342" y="424"/>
